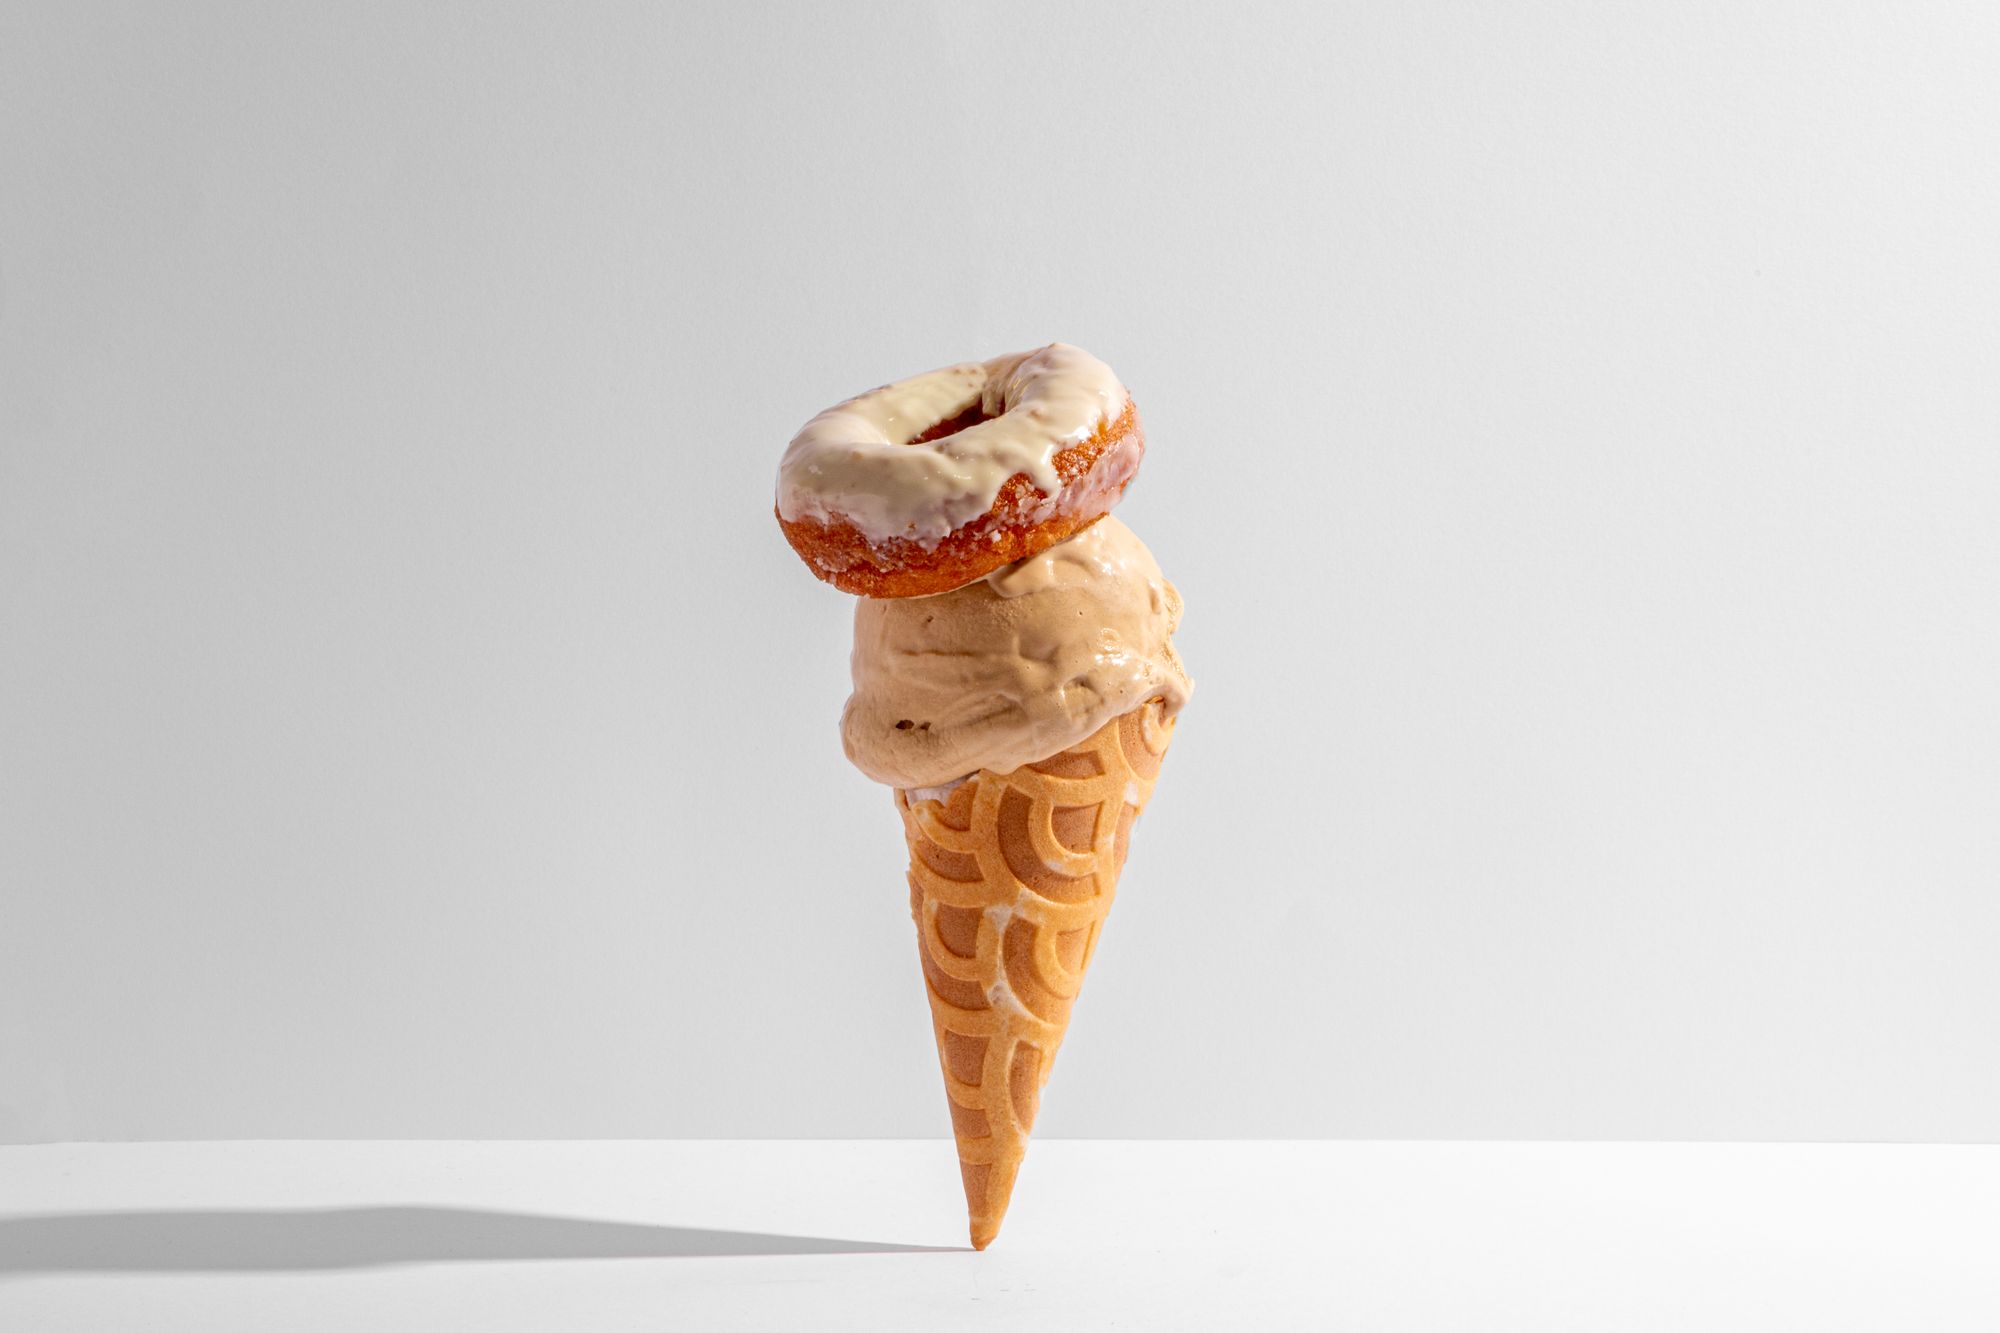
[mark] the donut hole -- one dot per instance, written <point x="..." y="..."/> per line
<point x="965" y="420"/>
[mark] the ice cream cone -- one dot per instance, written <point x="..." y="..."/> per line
<point x="1011" y="875"/>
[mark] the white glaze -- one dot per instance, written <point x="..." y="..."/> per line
<point x="855" y="462"/>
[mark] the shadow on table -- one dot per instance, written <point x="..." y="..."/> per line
<point x="276" y="1240"/>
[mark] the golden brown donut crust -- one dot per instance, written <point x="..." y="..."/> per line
<point x="1094" y="475"/>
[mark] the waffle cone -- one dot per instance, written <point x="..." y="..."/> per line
<point x="1010" y="880"/>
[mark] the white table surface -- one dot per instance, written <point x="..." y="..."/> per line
<point x="386" y="1237"/>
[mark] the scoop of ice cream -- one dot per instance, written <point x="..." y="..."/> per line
<point x="1013" y="668"/>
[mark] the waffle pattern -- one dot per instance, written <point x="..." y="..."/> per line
<point x="1010" y="880"/>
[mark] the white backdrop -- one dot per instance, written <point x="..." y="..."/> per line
<point x="1576" y="432"/>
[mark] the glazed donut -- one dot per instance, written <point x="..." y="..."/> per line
<point x="930" y="483"/>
